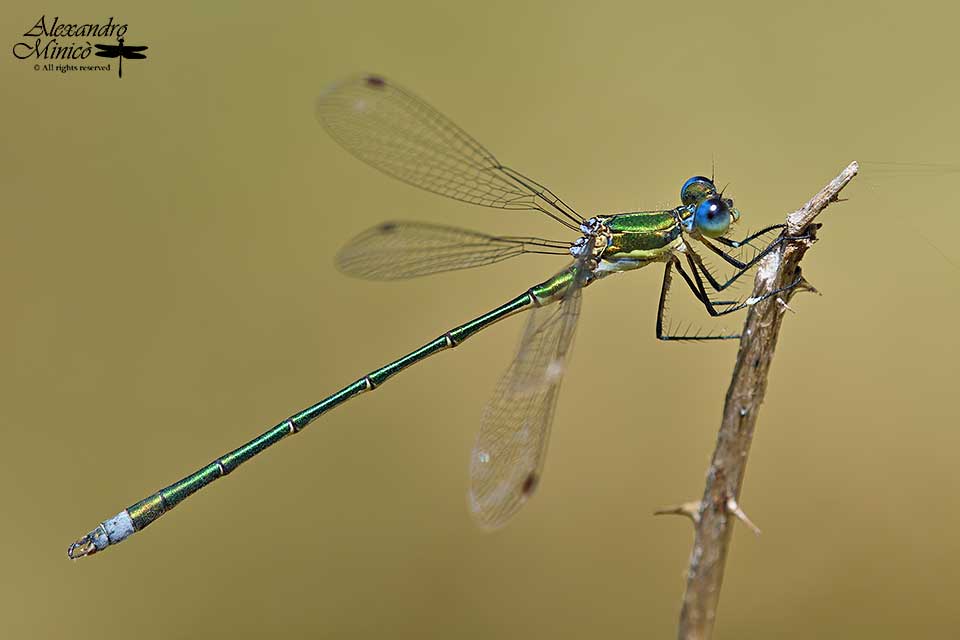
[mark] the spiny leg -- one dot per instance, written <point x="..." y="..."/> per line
<point x="711" y="306"/>
<point x="736" y="244"/>
<point x="662" y="308"/>
<point x="740" y="264"/>
<point x="741" y="267"/>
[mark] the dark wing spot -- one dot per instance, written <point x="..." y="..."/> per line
<point x="529" y="484"/>
<point x="376" y="82"/>
<point x="388" y="227"/>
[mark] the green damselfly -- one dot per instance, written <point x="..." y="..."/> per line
<point x="401" y="135"/>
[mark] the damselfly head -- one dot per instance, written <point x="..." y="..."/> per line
<point x="696" y="189"/>
<point x="714" y="215"/>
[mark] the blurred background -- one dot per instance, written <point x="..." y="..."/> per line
<point x="166" y="259"/>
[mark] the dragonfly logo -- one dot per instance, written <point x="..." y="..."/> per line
<point x="61" y="46"/>
<point x="120" y="51"/>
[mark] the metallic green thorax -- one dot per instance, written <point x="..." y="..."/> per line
<point x="645" y="235"/>
<point x="149" y="509"/>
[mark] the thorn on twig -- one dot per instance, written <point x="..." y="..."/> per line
<point x="688" y="509"/>
<point x="734" y="508"/>
<point x="783" y="303"/>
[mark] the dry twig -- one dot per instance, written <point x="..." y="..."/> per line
<point x="747" y="388"/>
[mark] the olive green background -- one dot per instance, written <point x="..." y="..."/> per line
<point x="169" y="292"/>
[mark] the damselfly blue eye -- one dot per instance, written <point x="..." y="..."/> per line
<point x="695" y="189"/>
<point x="712" y="217"/>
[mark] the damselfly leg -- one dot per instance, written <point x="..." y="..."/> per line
<point x="701" y="274"/>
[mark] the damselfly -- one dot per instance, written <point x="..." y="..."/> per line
<point x="401" y="135"/>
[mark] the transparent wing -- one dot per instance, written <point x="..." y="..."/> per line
<point x="397" y="250"/>
<point x="394" y="131"/>
<point x="507" y="460"/>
